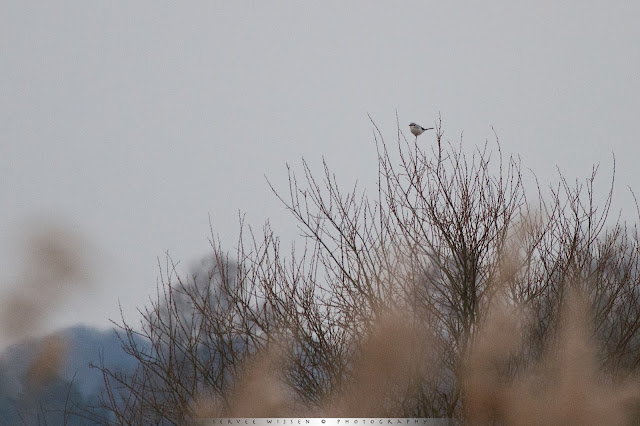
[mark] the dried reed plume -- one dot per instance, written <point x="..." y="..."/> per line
<point x="566" y="385"/>
<point x="48" y="359"/>
<point x="56" y="266"/>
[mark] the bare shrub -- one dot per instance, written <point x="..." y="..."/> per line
<point x="439" y="297"/>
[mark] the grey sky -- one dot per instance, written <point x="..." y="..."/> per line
<point x="130" y="122"/>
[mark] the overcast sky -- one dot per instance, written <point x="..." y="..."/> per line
<point x="130" y="123"/>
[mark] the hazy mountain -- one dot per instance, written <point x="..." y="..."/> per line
<point x="42" y="379"/>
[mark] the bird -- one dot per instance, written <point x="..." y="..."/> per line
<point x="417" y="129"/>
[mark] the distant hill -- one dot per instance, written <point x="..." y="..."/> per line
<point x="71" y="383"/>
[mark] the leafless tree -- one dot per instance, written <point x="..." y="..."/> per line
<point x="450" y="234"/>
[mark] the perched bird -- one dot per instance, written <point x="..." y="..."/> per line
<point x="417" y="130"/>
